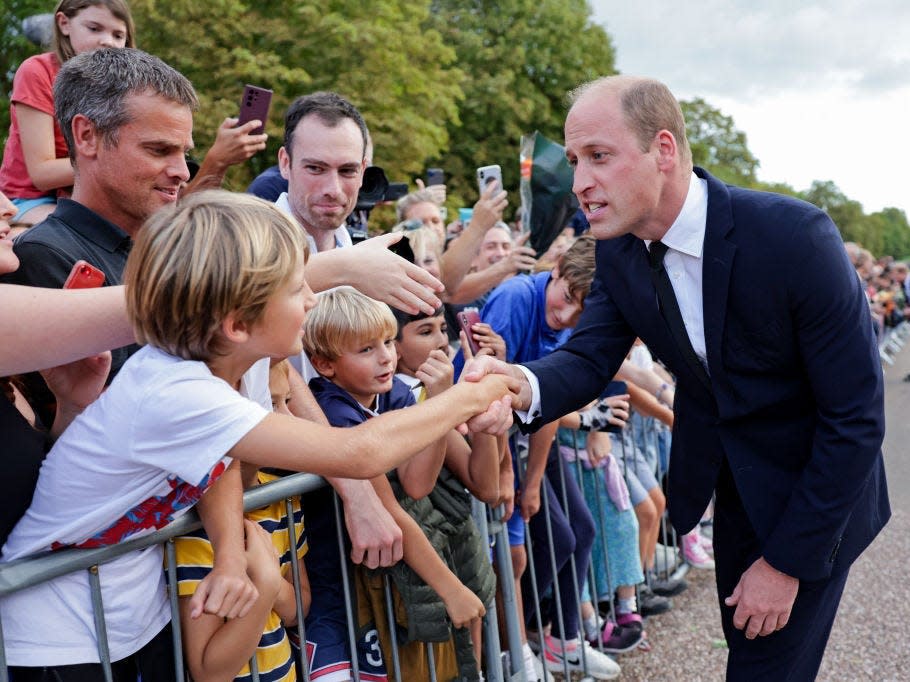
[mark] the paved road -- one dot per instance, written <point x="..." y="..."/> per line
<point x="871" y="636"/>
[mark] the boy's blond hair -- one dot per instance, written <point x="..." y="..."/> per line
<point x="211" y="254"/>
<point x="342" y="318"/>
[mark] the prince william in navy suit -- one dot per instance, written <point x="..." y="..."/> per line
<point x="750" y="300"/>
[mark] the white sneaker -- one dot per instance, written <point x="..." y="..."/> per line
<point x="664" y="559"/>
<point x="534" y="670"/>
<point x="694" y="553"/>
<point x="600" y="666"/>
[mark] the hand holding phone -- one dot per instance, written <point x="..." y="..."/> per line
<point x="254" y="105"/>
<point x="487" y="175"/>
<point x="84" y="276"/>
<point x="467" y="318"/>
<point x="435" y="176"/>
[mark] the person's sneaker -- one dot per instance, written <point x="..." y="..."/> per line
<point x="616" y="638"/>
<point x="630" y="621"/>
<point x="534" y="670"/>
<point x="650" y="604"/>
<point x="600" y="666"/>
<point x="669" y="587"/>
<point x="664" y="559"/>
<point x="706" y="543"/>
<point x="694" y="553"/>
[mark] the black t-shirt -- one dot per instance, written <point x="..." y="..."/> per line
<point x="47" y="253"/>
<point x="24" y="449"/>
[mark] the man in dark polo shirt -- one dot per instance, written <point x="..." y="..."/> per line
<point x="127" y="118"/>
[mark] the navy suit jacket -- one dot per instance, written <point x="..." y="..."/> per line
<point x="796" y="399"/>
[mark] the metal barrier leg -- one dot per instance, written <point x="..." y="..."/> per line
<point x="254" y="669"/>
<point x="503" y="555"/>
<point x="104" y="654"/>
<point x="489" y="630"/>
<point x="170" y="554"/>
<point x="390" y="617"/>
<point x="295" y="574"/>
<point x="4" y="673"/>
<point x="557" y="598"/>
<point x="431" y="661"/>
<point x="532" y="571"/>
<point x="576" y="589"/>
<point x="346" y="584"/>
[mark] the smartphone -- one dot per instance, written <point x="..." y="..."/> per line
<point x="487" y="175"/>
<point x="403" y="249"/>
<point x="255" y="104"/>
<point x="435" y="176"/>
<point x="466" y="319"/>
<point x="84" y="276"/>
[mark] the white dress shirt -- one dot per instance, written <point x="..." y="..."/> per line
<point x="685" y="241"/>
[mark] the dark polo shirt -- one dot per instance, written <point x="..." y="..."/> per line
<point x="48" y="251"/>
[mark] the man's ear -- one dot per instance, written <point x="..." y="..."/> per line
<point x="85" y="136"/>
<point x="667" y="151"/>
<point x="234" y="329"/>
<point x="323" y="365"/>
<point x="284" y="163"/>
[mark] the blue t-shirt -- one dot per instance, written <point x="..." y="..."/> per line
<point x="516" y="310"/>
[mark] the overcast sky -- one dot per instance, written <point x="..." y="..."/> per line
<point x="821" y="89"/>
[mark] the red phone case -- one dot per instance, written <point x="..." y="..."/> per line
<point x="84" y="276"/>
<point x="255" y="105"/>
<point x="467" y="318"/>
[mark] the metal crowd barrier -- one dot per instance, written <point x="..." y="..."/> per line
<point x="893" y="342"/>
<point x="508" y="665"/>
<point x="30" y="571"/>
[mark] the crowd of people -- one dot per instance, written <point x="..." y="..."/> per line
<point x="217" y="368"/>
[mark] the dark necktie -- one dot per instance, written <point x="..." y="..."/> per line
<point x="670" y="309"/>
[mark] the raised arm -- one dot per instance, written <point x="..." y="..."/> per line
<point x="376" y="446"/>
<point x="375" y="271"/>
<point x="72" y="324"/>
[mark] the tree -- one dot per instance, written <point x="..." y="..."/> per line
<point x="519" y="60"/>
<point x="375" y="54"/>
<point x="892" y="224"/>
<point x="846" y="213"/>
<point x="717" y="145"/>
<point x="16" y="48"/>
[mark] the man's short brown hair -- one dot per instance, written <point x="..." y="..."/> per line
<point x="576" y="266"/>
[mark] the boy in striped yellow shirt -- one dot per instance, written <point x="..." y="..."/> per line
<point x="220" y="649"/>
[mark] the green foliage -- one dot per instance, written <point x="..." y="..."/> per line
<point x="450" y="83"/>
<point x="519" y="58"/>
<point x="16" y="48"/>
<point x="373" y="53"/>
<point x="717" y="145"/>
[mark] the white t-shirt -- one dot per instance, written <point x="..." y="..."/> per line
<point x="134" y="460"/>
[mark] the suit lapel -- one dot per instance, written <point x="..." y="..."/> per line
<point x="717" y="266"/>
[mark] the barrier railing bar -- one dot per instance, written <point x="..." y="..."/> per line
<point x="393" y="630"/>
<point x="346" y="585"/>
<point x="39" y="568"/>
<point x="104" y="654"/>
<point x="170" y="558"/>
<point x="295" y="574"/>
<point x="490" y="628"/>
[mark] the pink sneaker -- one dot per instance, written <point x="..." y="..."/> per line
<point x="694" y="554"/>
<point x="707" y="544"/>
